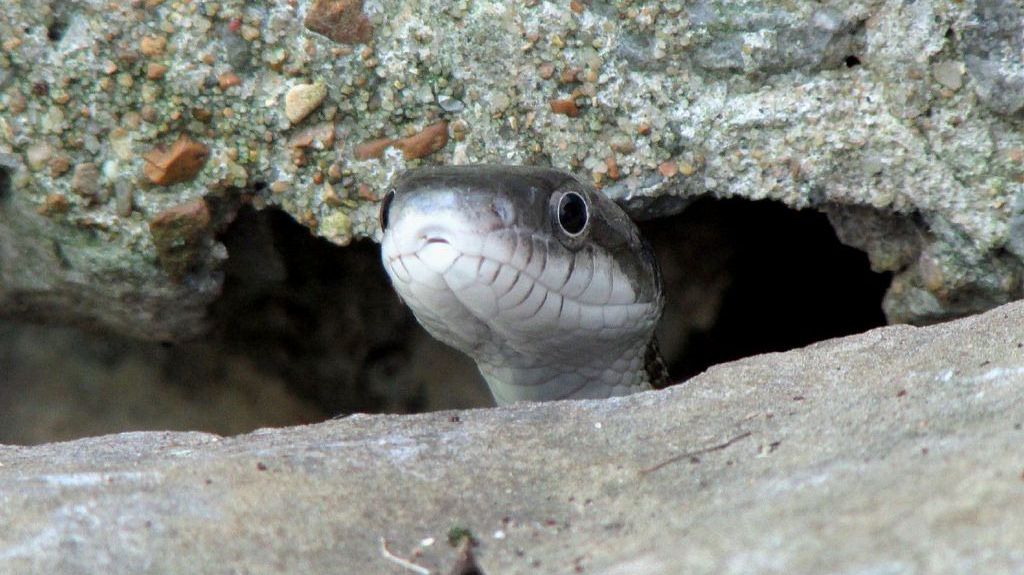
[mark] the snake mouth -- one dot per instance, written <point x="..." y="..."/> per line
<point x="436" y="240"/>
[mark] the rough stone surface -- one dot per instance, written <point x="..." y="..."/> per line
<point x="856" y="108"/>
<point x="995" y="54"/>
<point x="895" y="451"/>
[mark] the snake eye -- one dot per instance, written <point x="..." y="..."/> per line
<point x="385" y="206"/>
<point x="572" y="213"/>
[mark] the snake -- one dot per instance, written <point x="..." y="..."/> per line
<point x="542" y="280"/>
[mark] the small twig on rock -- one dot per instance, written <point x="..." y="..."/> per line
<point x="689" y="454"/>
<point x="399" y="561"/>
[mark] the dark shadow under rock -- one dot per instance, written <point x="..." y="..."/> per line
<point x="743" y="278"/>
<point x="325" y="319"/>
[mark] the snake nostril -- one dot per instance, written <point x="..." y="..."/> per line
<point x="503" y="210"/>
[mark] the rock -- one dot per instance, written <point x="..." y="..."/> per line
<point x="59" y="165"/>
<point x="178" y="234"/>
<point x="668" y="168"/>
<point x="565" y="107"/>
<point x="336" y="227"/>
<point x="342" y="21"/>
<point x="425" y="142"/>
<point x="320" y="136"/>
<point x="421" y="144"/>
<point x="228" y="80"/>
<point x="302" y="99"/>
<point x="124" y="198"/>
<point x="807" y="39"/>
<point x="38" y="155"/>
<point x="151" y="46"/>
<point x="449" y="104"/>
<point x="53" y="204"/>
<point x="179" y="164"/>
<point x="372" y="149"/>
<point x="812" y="106"/>
<point x="155" y="71"/>
<point x="949" y="73"/>
<point x="897" y="450"/>
<point x="994" y="48"/>
<point x="85" y="180"/>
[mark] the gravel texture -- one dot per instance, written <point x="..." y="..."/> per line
<point x="894" y="451"/>
<point x="902" y="121"/>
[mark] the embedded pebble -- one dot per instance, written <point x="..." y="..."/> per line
<point x="228" y="80"/>
<point x="53" y="204"/>
<point x="565" y="107"/>
<point x="320" y="136"/>
<point x="155" y="71"/>
<point x="177" y="233"/>
<point x="372" y="149"/>
<point x="59" y="165"/>
<point x="342" y="21"/>
<point x="949" y="73"/>
<point x="668" y="169"/>
<point x="612" y="167"/>
<point x="124" y="197"/>
<point x="330" y="196"/>
<point x="38" y="155"/>
<point x="336" y="227"/>
<point x="151" y="46"/>
<point x="449" y="104"/>
<point x="85" y="180"/>
<point x="179" y="164"/>
<point x="426" y="142"/>
<point x="302" y="99"/>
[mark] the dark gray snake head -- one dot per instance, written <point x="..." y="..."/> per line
<point x="543" y="281"/>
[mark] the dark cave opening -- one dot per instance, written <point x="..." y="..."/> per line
<point x="320" y="316"/>
<point x="744" y="278"/>
<point x="741" y="278"/>
<point x="305" y="329"/>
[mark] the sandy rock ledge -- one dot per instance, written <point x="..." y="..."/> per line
<point x="895" y="451"/>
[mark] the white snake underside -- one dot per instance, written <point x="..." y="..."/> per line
<point x="543" y="281"/>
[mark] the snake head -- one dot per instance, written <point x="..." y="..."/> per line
<point x="542" y="280"/>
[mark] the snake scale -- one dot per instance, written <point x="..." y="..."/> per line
<point x="543" y="281"/>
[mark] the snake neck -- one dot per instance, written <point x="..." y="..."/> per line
<point x="516" y="377"/>
<point x="654" y="366"/>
